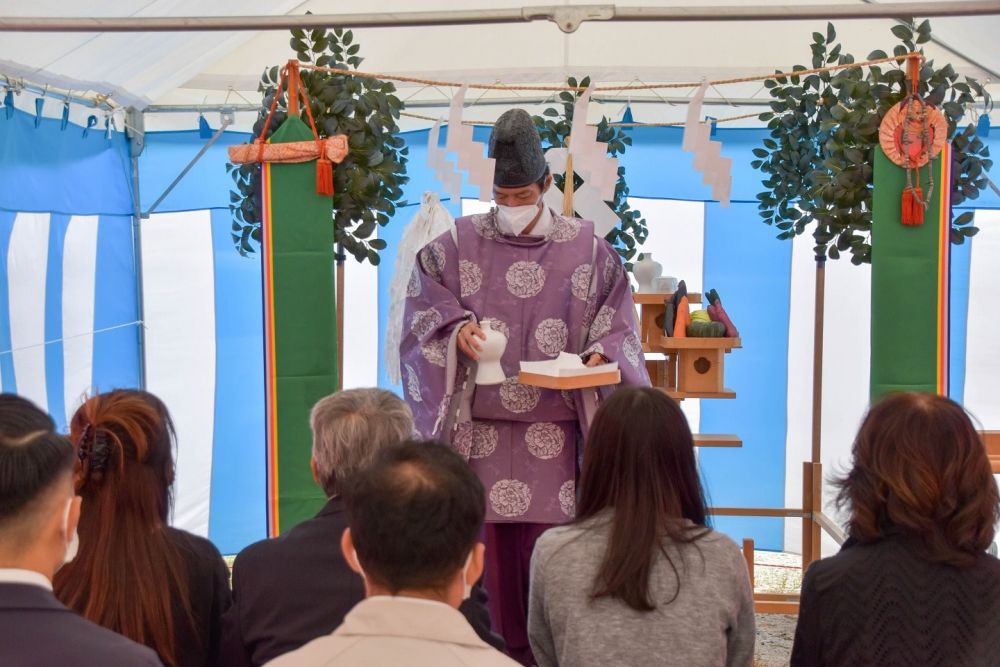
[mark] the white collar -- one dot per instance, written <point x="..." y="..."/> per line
<point x="542" y="227"/>
<point x="19" y="576"/>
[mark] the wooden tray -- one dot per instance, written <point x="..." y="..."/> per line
<point x="658" y="298"/>
<point x="576" y="382"/>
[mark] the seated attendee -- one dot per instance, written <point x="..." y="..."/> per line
<point x="415" y="517"/>
<point x="638" y="578"/>
<point x="19" y="416"/>
<point x="296" y="587"/>
<point x="136" y="575"/>
<point x="912" y="585"/>
<point x="38" y="518"/>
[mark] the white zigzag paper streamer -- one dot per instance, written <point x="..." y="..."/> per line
<point x="717" y="171"/>
<point x="443" y="168"/>
<point x="469" y="153"/>
<point x="592" y="164"/>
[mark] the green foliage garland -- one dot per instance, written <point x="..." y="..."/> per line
<point x="824" y="131"/>
<point x="368" y="183"/>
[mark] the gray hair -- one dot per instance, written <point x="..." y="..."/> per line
<point x="350" y="427"/>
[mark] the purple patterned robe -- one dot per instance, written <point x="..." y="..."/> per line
<point x="566" y="291"/>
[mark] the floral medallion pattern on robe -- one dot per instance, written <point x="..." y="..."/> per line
<point x="470" y="277"/>
<point x="476" y="440"/>
<point x="580" y="281"/>
<point x="567" y="498"/>
<point x="545" y="440"/>
<point x="518" y="398"/>
<point x="551" y="336"/>
<point x="434" y="260"/>
<point x="525" y="279"/>
<point x="510" y="498"/>
<point x="436" y="352"/>
<point x="424" y="321"/>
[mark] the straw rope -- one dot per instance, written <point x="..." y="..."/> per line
<point x="671" y="124"/>
<point x="605" y="89"/>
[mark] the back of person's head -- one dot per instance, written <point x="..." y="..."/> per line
<point x="639" y="461"/>
<point x="921" y="470"/>
<point x="38" y="510"/>
<point x="349" y="428"/>
<point x="19" y="416"/>
<point x="415" y="516"/>
<point x="128" y="576"/>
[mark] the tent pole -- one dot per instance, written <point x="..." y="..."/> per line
<point x="340" y="257"/>
<point x="567" y="17"/>
<point x="817" y="393"/>
<point x="137" y="263"/>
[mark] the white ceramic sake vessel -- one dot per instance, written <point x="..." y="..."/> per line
<point x="489" y="370"/>
<point x="646" y="270"/>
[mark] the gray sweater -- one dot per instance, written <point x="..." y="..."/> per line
<point x="711" y="623"/>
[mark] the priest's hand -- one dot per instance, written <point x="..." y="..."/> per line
<point x="595" y="359"/>
<point x="467" y="342"/>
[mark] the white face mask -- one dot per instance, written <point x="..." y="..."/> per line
<point x="516" y="218"/>
<point x="466" y="586"/>
<point x="74" y="542"/>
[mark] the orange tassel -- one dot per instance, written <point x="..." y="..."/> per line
<point x="324" y="177"/>
<point x="912" y="207"/>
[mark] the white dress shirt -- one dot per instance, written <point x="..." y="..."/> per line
<point x="17" y="576"/>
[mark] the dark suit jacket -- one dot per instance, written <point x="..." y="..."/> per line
<point x="294" y="588"/>
<point x="36" y="630"/>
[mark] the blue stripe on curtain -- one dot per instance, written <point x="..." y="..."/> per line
<point x="7" y="380"/>
<point x="752" y="273"/>
<point x="238" y="500"/>
<point x="54" y="371"/>
<point x="45" y="169"/>
<point x="206" y="186"/>
<point x="961" y="262"/>
<point x="116" y="308"/>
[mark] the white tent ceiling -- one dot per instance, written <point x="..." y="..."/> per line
<point x="198" y="68"/>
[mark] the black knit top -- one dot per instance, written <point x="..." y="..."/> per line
<point x="885" y="604"/>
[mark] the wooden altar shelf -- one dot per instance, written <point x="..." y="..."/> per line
<point x="716" y="440"/>
<point x="679" y="395"/>
<point x="659" y="298"/>
<point x="992" y="441"/>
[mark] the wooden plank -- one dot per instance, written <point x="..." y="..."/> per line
<point x="717" y="440"/>
<point x="776" y="597"/>
<point x="786" y="512"/>
<point x="771" y="607"/>
<point x="681" y="395"/>
<point x="575" y="382"/>
<point x="992" y="441"/>
<point x="645" y="298"/>
<point x="748" y="557"/>
<point x="671" y="343"/>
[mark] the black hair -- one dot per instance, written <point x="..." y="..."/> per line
<point x="415" y="514"/>
<point x="19" y="416"/>
<point x="29" y="466"/>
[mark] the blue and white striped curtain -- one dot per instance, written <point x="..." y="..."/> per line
<point x="69" y="311"/>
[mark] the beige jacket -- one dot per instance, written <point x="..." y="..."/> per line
<point x="400" y="631"/>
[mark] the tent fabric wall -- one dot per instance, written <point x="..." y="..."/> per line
<point x="83" y="235"/>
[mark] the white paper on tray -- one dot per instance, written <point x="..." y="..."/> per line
<point x="566" y="365"/>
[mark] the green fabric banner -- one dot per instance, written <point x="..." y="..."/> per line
<point x="909" y="283"/>
<point x="304" y="325"/>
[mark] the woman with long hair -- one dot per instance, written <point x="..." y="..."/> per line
<point x="638" y="578"/>
<point x="134" y="574"/>
<point x="913" y="584"/>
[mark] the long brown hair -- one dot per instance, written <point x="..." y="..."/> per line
<point x="128" y="577"/>
<point x="921" y="470"/>
<point x="639" y="460"/>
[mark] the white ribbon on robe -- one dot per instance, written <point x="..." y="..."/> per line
<point x="430" y="222"/>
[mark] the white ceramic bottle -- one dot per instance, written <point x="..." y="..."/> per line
<point x="489" y="370"/>
<point x="646" y="270"/>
